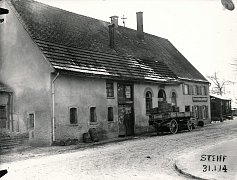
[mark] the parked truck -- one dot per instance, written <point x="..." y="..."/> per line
<point x="168" y="118"/>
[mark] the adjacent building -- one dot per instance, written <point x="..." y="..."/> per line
<point x="220" y="108"/>
<point x="68" y="73"/>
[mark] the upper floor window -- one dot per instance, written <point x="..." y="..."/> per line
<point x="148" y="102"/>
<point x="73" y="115"/>
<point x="204" y="90"/>
<point x="186" y="89"/>
<point x="93" y="117"/>
<point x="110" y="89"/>
<point x="199" y="90"/>
<point x="195" y="90"/>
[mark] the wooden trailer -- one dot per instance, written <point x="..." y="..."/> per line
<point x="172" y="121"/>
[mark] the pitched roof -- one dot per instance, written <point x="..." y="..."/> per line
<point x="78" y="43"/>
<point x="220" y="97"/>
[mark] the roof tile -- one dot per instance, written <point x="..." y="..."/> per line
<point x="74" y="42"/>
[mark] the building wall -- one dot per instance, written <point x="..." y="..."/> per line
<point x="141" y="117"/>
<point x="83" y="93"/>
<point x="24" y="69"/>
<point x="188" y="100"/>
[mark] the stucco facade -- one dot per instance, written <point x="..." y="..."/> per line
<point x="25" y="70"/>
<point x="82" y="93"/>
<point x="63" y="84"/>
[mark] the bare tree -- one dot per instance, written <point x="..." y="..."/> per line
<point x="218" y="84"/>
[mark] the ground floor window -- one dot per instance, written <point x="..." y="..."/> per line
<point x="93" y="117"/>
<point x="73" y="115"/>
<point x="3" y="117"/>
<point x="31" y="117"/>
<point x="187" y="108"/>
<point x="148" y="102"/>
<point x="200" y="112"/>
<point x="110" y="114"/>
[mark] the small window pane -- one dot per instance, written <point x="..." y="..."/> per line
<point x="93" y="114"/>
<point x="110" y="114"/>
<point x="73" y="115"/>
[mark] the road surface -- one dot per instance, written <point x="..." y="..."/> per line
<point x="142" y="158"/>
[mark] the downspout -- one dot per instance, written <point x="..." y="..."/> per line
<point x="53" y="109"/>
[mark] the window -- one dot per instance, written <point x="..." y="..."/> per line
<point x="205" y="112"/>
<point x="3" y="112"/>
<point x="110" y="114"/>
<point x="187" y="108"/>
<point x="195" y="90"/>
<point x="173" y="99"/>
<point x="148" y="102"/>
<point x="73" y="115"/>
<point x="199" y="90"/>
<point x="190" y="90"/>
<point x="110" y="89"/>
<point x="204" y="90"/>
<point x="93" y="117"/>
<point x="3" y="117"/>
<point x="195" y="111"/>
<point x="186" y="89"/>
<point x="31" y="120"/>
<point x="161" y="95"/>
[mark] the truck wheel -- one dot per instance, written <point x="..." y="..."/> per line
<point x="189" y="126"/>
<point x="173" y="126"/>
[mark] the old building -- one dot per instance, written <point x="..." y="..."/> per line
<point x="220" y="107"/>
<point x="69" y="73"/>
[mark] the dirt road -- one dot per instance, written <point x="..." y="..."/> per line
<point x="142" y="158"/>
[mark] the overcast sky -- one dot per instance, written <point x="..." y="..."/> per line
<point x="202" y="30"/>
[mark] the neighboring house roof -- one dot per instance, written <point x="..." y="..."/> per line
<point x="4" y="88"/>
<point x="77" y="43"/>
<point x="220" y="97"/>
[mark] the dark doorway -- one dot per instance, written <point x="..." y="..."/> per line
<point x="125" y="109"/>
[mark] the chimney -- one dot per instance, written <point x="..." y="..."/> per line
<point x="111" y="36"/>
<point x="140" y="33"/>
<point x="114" y="20"/>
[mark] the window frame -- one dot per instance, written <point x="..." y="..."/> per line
<point x="204" y="90"/>
<point x="76" y="115"/>
<point x="186" y="89"/>
<point x="148" y="102"/>
<point x="163" y="94"/>
<point x="29" y="120"/>
<point x="93" y="115"/>
<point x="109" y="115"/>
<point x="108" y="89"/>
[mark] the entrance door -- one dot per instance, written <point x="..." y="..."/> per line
<point x="125" y="109"/>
